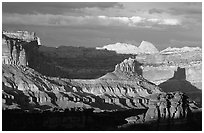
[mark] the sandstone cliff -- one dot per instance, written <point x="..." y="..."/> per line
<point x="18" y="47"/>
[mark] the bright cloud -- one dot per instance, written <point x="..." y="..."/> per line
<point x="170" y="22"/>
<point x="63" y="20"/>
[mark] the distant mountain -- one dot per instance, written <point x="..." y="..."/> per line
<point x="124" y="48"/>
<point x="121" y="48"/>
<point x="170" y="50"/>
<point x="148" y="48"/>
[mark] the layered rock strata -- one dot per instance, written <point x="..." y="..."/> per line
<point x="126" y="89"/>
<point x="24" y="88"/>
<point x="18" y="47"/>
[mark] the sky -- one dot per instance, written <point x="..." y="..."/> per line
<point x="93" y="24"/>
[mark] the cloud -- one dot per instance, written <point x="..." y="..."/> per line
<point x="53" y="7"/>
<point x="63" y="20"/>
<point x="185" y="11"/>
<point x="182" y="10"/>
<point x="164" y="21"/>
<point x="169" y="22"/>
<point x="155" y="10"/>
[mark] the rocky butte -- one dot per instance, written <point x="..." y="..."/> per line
<point x="125" y="89"/>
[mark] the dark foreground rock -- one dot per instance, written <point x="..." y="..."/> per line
<point x="15" y="120"/>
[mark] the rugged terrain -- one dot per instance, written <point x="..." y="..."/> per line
<point x="123" y="95"/>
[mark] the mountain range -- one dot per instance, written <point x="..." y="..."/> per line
<point x="124" y="48"/>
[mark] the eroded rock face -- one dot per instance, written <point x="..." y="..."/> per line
<point x="35" y="90"/>
<point x="18" y="47"/>
<point x="27" y="89"/>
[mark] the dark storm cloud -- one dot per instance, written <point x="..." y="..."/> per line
<point x="52" y="7"/>
<point x="155" y="10"/>
<point x="187" y="8"/>
<point x="192" y="3"/>
<point x="188" y="11"/>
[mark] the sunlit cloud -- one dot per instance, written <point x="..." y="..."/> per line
<point x="63" y="20"/>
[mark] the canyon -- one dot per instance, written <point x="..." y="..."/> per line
<point x="143" y="88"/>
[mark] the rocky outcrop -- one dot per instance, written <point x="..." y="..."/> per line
<point x="129" y="67"/>
<point x="18" y="47"/>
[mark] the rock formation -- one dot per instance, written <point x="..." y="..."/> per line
<point x="18" y="48"/>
